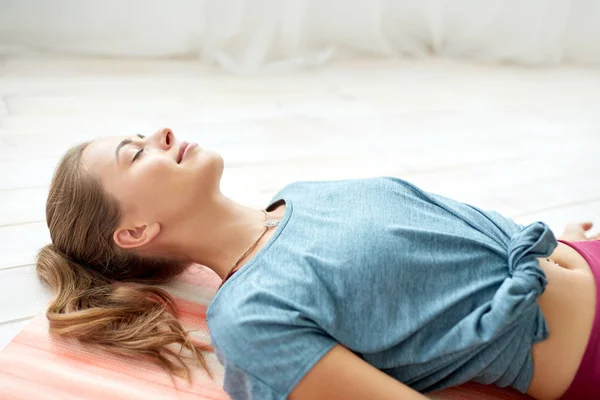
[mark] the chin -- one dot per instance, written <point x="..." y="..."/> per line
<point x="210" y="169"/>
<point x="214" y="159"/>
<point x="220" y="162"/>
<point x="220" y="167"/>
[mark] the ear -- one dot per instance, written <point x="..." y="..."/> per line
<point x="129" y="238"/>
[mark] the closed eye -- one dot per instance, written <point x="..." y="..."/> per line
<point x="137" y="154"/>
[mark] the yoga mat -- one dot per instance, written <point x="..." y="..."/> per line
<point x="37" y="366"/>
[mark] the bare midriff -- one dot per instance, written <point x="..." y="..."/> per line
<point x="568" y="304"/>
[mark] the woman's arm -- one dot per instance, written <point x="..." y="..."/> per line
<point x="340" y="374"/>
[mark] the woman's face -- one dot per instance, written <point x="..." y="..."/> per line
<point x="155" y="179"/>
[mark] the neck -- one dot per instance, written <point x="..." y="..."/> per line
<point x="216" y="239"/>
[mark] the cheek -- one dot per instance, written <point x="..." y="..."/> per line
<point x="154" y="169"/>
<point x="149" y="185"/>
<point x="126" y="193"/>
<point x="154" y="177"/>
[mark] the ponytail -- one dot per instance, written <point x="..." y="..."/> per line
<point x="130" y="319"/>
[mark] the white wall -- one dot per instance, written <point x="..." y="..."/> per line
<point x="243" y="35"/>
<point x="106" y="27"/>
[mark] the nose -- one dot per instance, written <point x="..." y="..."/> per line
<point x="165" y="138"/>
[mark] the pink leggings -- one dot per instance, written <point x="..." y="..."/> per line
<point x="586" y="384"/>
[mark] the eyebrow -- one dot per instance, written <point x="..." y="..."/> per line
<point x="125" y="142"/>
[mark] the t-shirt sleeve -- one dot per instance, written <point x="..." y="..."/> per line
<point x="492" y="221"/>
<point x="267" y="355"/>
<point x="239" y="384"/>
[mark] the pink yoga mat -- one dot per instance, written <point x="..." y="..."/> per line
<point x="37" y="366"/>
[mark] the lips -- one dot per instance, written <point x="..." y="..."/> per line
<point x="182" y="148"/>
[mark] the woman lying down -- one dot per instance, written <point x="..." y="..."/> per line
<point x="348" y="289"/>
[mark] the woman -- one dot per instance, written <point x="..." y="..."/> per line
<point x="352" y="289"/>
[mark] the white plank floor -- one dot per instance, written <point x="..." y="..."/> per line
<point x="519" y="140"/>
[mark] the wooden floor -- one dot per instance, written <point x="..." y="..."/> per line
<point x="519" y="140"/>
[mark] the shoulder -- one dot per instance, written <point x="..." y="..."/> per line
<point x="349" y="182"/>
<point x="322" y="190"/>
<point x="246" y="318"/>
<point x="267" y="344"/>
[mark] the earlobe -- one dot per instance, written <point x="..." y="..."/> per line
<point x="136" y="237"/>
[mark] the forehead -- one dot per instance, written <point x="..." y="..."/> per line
<point x="99" y="155"/>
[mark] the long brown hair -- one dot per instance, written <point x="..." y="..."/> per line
<point x="103" y="293"/>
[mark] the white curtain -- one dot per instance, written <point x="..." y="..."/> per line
<point x="248" y="35"/>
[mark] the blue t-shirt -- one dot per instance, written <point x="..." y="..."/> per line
<point x="431" y="291"/>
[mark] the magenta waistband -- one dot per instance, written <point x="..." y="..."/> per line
<point x="586" y="384"/>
